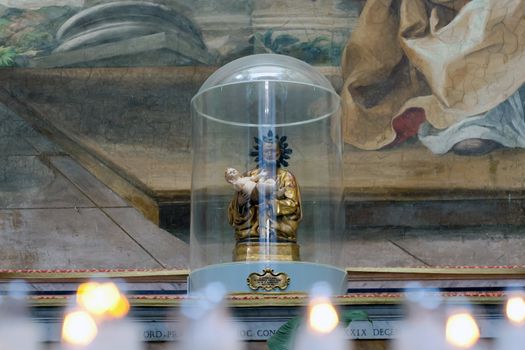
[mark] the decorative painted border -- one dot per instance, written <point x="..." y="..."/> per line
<point x="57" y="276"/>
<point x="354" y="273"/>
<point x="275" y="299"/>
<point x="285" y="300"/>
<point x="435" y="273"/>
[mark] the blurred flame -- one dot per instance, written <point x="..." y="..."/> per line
<point x="79" y="328"/>
<point x="120" y="309"/>
<point x="516" y="309"/>
<point x="102" y="299"/>
<point x="462" y="330"/>
<point x="322" y="317"/>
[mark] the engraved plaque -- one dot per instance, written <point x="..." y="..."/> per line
<point x="268" y="280"/>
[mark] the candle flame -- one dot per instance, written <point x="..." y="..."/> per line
<point x="462" y="330"/>
<point x="515" y="309"/>
<point x="79" y="328"/>
<point x="322" y="317"/>
<point x="102" y="299"/>
<point x="120" y="309"/>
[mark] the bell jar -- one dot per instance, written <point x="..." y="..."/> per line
<point x="267" y="194"/>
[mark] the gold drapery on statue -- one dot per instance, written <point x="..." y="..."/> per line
<point x="452" y="58"/>
<point x="275" y="219"/>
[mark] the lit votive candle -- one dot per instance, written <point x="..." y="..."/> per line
<point x="321" y="329"/>
<point x="512" y="333"/>
<point x="461" y="330"/>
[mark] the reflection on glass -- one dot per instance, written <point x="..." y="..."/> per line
<point x="266" y="208"/>
<point x="462" y="330"/>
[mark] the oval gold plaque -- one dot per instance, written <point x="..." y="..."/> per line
<point x="268" y="280"/>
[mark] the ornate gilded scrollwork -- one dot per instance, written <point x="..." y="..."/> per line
<point x="268" y="280"/>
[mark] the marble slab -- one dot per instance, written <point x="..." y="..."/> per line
<point x="482" y="246"/>
<point x="28" y="182"/>
<point x="170" y="251"/>
<point x="372" y="248"/>
<point x="82" y="238"/>
<point x="434" y="247"/>
<point x="95" y="190"/>
<point x="15" y="146"/>
<point x="262" y="329"/>
<point x="11" y="124"/>
<point x="43" y="145"/>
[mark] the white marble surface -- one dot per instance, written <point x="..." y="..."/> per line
<point x="56" y="215"/>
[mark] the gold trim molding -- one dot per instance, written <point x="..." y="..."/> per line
<point x="284" y="300"/>
<point x="434" y="273"/>
<point x="354" y="274"/>
<point x="162" y="275"/>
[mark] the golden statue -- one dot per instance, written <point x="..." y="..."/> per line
<point x="266" y="208"/>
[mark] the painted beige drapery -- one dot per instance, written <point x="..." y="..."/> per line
<point x="453" y="58"/>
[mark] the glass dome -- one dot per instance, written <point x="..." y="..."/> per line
<point x="267" y="166"/>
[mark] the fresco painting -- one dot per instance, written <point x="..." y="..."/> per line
<point x="26" y="33"/>
<point x="41" y="37"/>
<point x="455" y="65"/>
<point x="432" y="94"/>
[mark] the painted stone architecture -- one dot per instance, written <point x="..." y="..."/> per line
<point x="114" y="94"/>
<point x="314" y="31"/>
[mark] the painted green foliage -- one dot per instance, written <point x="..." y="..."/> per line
<point x="28" y="33"/>
<point x="7" y="56"/>
<point x="282" y="339"/>
<point x="320" y="50"/>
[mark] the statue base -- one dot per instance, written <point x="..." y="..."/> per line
<point x="255" y="251"/>
<point x="269" y="277"/>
